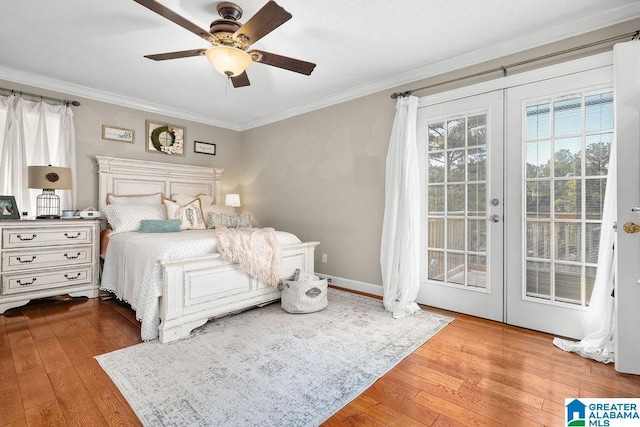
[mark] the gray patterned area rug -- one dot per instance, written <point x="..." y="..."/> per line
<point x="266" y="367"/>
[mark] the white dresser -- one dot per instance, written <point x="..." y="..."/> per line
<point x="43" y="258"/>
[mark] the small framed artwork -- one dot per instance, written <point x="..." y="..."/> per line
<point x="204" y="147"/>
<point x="113" y="133"/>
<point x="8" y="208"/>
<point x="163" y="138"/>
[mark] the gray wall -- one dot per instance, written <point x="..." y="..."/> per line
<point x="321" y="174"/>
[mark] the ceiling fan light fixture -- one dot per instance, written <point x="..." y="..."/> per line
<point x="229" y="61"/>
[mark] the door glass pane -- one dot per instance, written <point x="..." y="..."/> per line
<point x="538" y="280"/>
<point x="457" y="201"/>
<point x="456" y="133"/>
<point x="538" y="121"/>
<point x="599" y="112"/>
<point x="456" y="166"/>
<point x="567" y="117"/>
<point x="477" y="271"/>
<point x="436" y="136"/>
<point x="567" y="144"/>
<point x="597" y="154"/>
<point x="538" y="159"/>
<point x="567" y="157"/>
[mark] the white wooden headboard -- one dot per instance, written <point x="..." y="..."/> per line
<point x="128" y="177"/>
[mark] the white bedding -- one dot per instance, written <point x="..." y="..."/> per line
<point x="132" y="271"/>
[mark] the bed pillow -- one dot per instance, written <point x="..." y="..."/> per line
<point x="214" y="220"/>
<point x="123" y="218"/>
<point x="190" y="215"/>
<point x="159" y="225"/>
<point x="134" y="199"/>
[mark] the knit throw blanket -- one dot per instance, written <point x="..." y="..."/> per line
<point x="257" y="250"/>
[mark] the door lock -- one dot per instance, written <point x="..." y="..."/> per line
<point x="494" y="218"/>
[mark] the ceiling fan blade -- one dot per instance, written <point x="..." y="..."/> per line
<point x="241" y="80"/>
<point x="175" y="18"/>
<point x="176" y="55"/>
<point x="267" y="19"/>
<point x="291" y="64"/>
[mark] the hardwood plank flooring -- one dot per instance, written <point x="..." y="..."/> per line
<point x="474" y="372"/>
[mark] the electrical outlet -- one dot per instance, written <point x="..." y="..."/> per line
<point x="324" y="258"/>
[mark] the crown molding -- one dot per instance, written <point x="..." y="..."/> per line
<point x="67" y="89"/>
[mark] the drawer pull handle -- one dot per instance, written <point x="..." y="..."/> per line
<point x="26" y="283"/>
<point x="33" y="236"/>
<point x="72" y="278"/>
<point x="71" y="256"/>
<point x="72" y="237"/>
<point x="24" y="261"/>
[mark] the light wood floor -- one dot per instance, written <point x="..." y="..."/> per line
<point x="474" y="372"/>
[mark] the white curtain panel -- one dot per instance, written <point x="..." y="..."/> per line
<point x="13" y="157"/>
<point x="34" y="133"/>
<point x="400" y="247"/>
<point x="599" y="327"/>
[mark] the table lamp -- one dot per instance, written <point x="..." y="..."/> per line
<point x="232" y="200"/>
<point x="49" y="179"/>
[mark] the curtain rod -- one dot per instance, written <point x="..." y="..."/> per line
<point x="503" y="68"/>
<point x="34" y="95"/>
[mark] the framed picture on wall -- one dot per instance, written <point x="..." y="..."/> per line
<point x="204" y="147"/>
<point x="113" y="133"/>
<point x="8" y="208"/>
<point x="163" y="138"/>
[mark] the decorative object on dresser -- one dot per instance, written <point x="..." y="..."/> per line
<point x="204" y="147"/>
<point x="8" y="208"/>
<point x="44" y="258"/>
<point x="164" y="138"/>
<point x="49" y="179"/>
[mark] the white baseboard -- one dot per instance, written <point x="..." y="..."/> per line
<point x="354" y="285"/>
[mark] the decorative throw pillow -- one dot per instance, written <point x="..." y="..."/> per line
<point x="159" y="225"/>
<point x="230" y="221"/>
<point x="124" y="218"/>
<point x="134" y="199"/>
<point x="190" y="215"/>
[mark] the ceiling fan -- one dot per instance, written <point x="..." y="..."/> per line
<point x="230" y="40"/>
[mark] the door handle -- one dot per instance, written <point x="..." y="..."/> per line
<point x="494" y="218"/>
<point x="630" y="227"/>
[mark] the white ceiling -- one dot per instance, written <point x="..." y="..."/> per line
<point x="95" y="48"/>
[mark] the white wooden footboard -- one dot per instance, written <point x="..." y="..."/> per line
<point x="197" y="289"/>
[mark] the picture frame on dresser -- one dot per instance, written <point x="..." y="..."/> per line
<point x="8" y="208"/>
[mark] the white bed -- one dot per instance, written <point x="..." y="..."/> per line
<point x="178" y="286"/>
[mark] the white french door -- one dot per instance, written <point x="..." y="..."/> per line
<point x="462" y="147"/>
<point x="514" y="184"/>
<point x="559" y="134"/>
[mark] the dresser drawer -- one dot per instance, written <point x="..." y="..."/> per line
<point x="20" y="260"/>
<point x="30" y="237"/>
<point x="15" y="283"/>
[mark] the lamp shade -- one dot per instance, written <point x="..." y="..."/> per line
<point x="229" y="61"/>
<point x="49" y="177"/>
<point x="232" y="200"/>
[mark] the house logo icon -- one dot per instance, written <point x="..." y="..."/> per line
<point x="576" y="413"/>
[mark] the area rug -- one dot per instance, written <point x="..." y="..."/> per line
<point x="266" y="367"/>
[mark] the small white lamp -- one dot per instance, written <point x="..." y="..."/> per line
<point x="49" y="179"/>
<point x="232" y="200"/>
